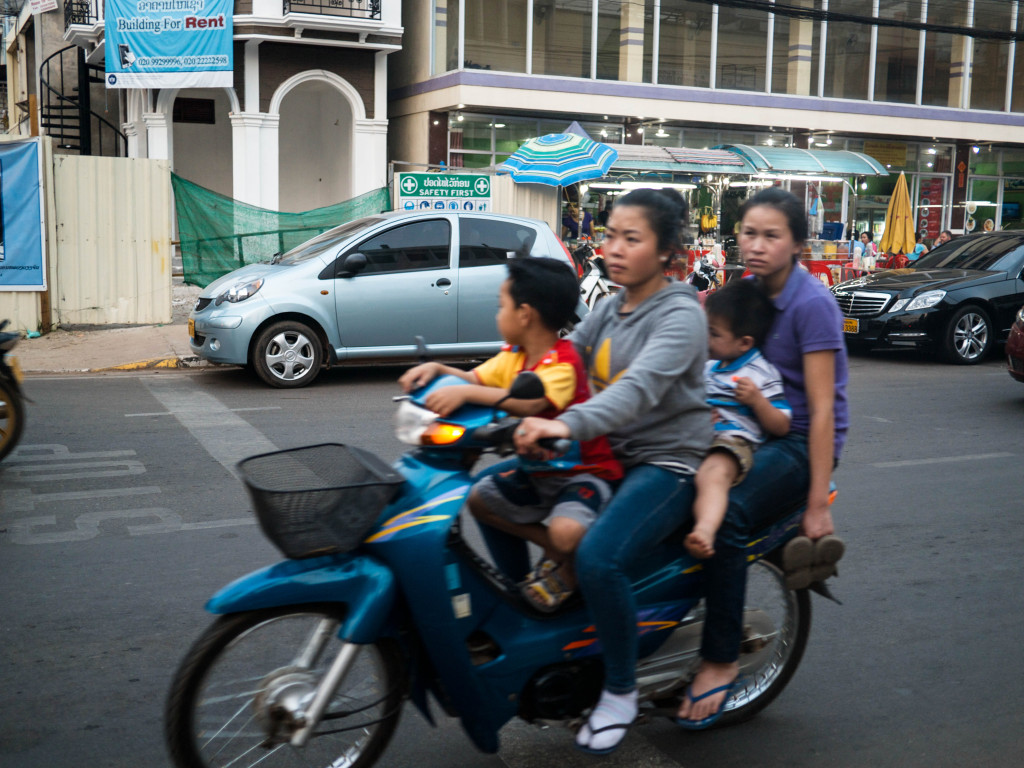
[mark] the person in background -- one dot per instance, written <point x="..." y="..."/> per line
<point x="944" y="237"/>
<point x="572" y="228"/>
<point x="919" y="250"/>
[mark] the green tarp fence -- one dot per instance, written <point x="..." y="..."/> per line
<point x="219" y="234"/>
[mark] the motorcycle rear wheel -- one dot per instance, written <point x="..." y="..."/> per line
<point x="777" y="623"/>
<point x="12" y="417"/>
<point x="236" y="696"/>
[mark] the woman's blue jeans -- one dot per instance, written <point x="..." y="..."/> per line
<point x="648" y="506"/>
<point x="780" y="476"/>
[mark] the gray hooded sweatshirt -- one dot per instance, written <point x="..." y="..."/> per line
<point x="646" y="372"/>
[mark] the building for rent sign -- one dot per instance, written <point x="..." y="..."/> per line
<point x="169" y="43"/>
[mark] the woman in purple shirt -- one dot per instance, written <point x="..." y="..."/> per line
<point x="806" y="344"/>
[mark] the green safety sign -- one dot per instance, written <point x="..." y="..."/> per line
<point x="444" y="191"/>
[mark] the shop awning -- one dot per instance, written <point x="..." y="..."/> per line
<point x="637" y="158"/>
<point x="780" y="160"/>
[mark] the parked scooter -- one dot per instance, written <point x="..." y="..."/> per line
<point x="12" y="401"/>
<point x="595" y="284"/>
<point x="382" y="599"/>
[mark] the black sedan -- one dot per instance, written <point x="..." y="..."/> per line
<point x="961" y="298"/>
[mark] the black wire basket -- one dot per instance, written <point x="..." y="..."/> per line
<point x="318" y="500"/>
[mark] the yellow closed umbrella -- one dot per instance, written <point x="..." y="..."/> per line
<point x="899" y="235"/>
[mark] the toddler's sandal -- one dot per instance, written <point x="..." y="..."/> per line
<point x="546" y="594"/>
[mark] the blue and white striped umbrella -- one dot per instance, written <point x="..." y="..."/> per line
<point x="559" y="159"/>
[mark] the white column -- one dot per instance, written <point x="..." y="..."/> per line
<point x="252" y="76"/>
<point x="369" y="155"/>
<point x="254" y="158"/>
<point x="158" y="136"/>
<point x="380" y="85"/>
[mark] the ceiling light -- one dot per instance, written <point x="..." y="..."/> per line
<point x="975" y="149"/>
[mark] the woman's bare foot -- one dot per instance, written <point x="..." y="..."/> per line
<point x="711" y="675"/>
<point x="700" y="543"/>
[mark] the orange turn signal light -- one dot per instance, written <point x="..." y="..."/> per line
<point x="440" y="433"/>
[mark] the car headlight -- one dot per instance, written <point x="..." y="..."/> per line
<point x="925" y="300"/>
<point x="240" y="291"/>
<point x="900" y="304"/>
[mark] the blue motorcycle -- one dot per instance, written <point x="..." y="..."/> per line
<point x="381" y="600"/>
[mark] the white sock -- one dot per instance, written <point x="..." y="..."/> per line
<point x="612" y="709"/>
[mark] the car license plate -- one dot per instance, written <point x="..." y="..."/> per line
<point x="851" y="325"/>
<point x="15" y="368"/>
<point x="191" y="328"/>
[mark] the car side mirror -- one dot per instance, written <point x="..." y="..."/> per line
<point x="354" y="264"/>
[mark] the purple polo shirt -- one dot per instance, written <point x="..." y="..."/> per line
<point x="808" y="320"/>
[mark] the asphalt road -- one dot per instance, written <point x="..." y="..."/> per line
<point x="120" y="515"/>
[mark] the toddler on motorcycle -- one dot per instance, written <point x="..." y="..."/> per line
<point x="551" y="504"/>
<point x="746" y="398"/>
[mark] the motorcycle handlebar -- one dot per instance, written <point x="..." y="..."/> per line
<point x="500" y="434"/>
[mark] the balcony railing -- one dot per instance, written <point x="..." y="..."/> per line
<point x="356" y="9"/>
<point x="82" y="12"/>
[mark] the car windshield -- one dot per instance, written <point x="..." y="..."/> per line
<point x="984" y="253"/>
<point x="328" y="240"/>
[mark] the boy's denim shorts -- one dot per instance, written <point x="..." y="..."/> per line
<point x="525" y="498"/>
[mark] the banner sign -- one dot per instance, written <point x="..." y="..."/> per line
<point x="22" y="263"/>
<point x="43" y="6"/>
<point x="169" y="43"/>
<point x="444" y="192"/>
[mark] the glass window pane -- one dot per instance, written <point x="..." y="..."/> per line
<point x="484" y="242"/>
<point x="447" y="12"/>
<point x="1017" y="100"/>
<point x="742" y="50"/>
<point x="939" y="89"/>
<point x="991" y="57"/>
<point x="896" y="58"/>
<point x="648" y="41"/>
<point x="664" y="136"/>
<point x="412" y="247"/>
<point x="848" y="54"/>
<point x="684" y="54"/>
<point x="561" y="38"/>
<point x="509" y="134"/>
<point x="795" y="52"/>
<point x="496" y="35"/>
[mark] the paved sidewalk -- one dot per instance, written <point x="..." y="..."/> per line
<point x="110" y="349"/>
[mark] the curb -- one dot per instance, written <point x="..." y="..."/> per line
<point x="158" y="362"/>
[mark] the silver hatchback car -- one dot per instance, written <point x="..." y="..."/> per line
<point x="365" y="290"/>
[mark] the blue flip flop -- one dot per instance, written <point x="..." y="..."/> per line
<point x="707" y="722"/>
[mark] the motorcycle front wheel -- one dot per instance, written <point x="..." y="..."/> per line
<point x="242" y="690"/>
<point x="12" y="416"/>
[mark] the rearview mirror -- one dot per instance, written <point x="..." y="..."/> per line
<point x="353" y="265"/>
<point x="527" y="386"/>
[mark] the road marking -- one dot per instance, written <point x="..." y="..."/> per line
<point x="87" y="526"/>
<point x="233" y="410"/>
<point x="227" y="437"/>
<point x="23" y="500"/>
<point x="940" y="460"/>
<point x="84" y="470"/>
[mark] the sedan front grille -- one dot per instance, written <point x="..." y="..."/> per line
<point x="862" y="303"/>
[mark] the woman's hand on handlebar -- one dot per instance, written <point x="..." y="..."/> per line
<point x="532" y="429"/>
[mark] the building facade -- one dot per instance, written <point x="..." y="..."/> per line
<point x="934" y="88"/>
<point x="303" y="126"/>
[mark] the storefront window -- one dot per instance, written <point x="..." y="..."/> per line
<point x="896" y="57"/>
<point x="1013" y="202"/>
<point x="661" y="136"/>
<point x="509" y="134"/>
<point x="795" y="51"/>
<point x="985" y="162"/>
<point x="848" y="52"/>
<point x="1013" y="162"/>
<point x="991" y="57"/>
<point x="561" y="38"/>
<point x="931" y="203"/>
<point x="495" y="35"/>
<point x="684" y="52"/>
<point x="742" y="51"/>
<point x="935" y="158"/>
<point x="982" y="210"/>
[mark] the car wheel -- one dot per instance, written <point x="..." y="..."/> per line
<point x="287" y="354"/>
<point x="968" y="336"/>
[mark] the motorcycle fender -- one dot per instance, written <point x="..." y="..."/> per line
<point x="362" y="583"/>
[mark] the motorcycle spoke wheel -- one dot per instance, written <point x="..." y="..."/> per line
<point x="241" y="691"/>
<point x="12" y="417"/>
<point x="776" y="624"/>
